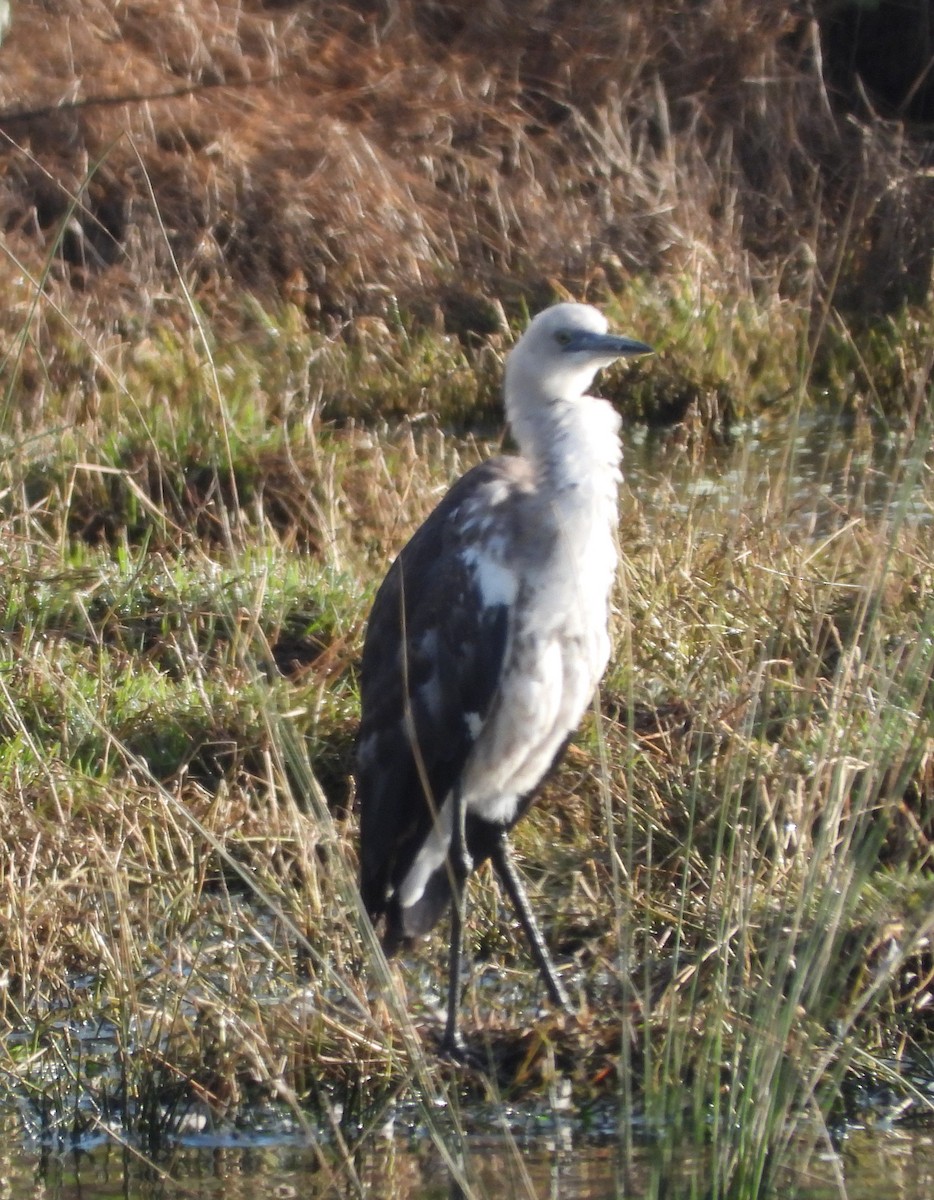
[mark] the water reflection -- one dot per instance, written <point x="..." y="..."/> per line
<point x="868" y="1163"/>
<point x="815" y="475"/>
<point x="815" y="472"/>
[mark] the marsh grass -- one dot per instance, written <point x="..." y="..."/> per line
<point x="796" y="777"/>
<point x="734" y="862"/>
<point x="356" y="154"/>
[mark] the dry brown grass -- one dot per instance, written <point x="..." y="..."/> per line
<point x="346" y="156"/>
<point x="181" y="515"/>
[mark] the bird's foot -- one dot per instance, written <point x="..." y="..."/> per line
<point x="454" y="1049"/>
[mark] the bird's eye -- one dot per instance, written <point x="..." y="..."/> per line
<point x="563" y="338"/>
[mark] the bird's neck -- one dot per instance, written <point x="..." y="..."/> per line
<point x="574" y="449"/>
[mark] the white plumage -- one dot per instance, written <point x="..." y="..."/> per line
<point x="486" y="642"/>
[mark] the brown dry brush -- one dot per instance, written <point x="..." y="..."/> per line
<point x="354" y="159"/>
<point x="351" y="157"/>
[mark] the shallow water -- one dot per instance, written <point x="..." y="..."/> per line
<point x="816" y="476"/>
<point x="816" y="472"/>
<point x="897" y="1164"/>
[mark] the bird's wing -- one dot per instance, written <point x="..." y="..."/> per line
<point x="432" y="664"/>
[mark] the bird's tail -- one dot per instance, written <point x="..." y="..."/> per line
<point x="404" y="926"/>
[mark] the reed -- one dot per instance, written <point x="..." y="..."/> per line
<point x="200" y="488"/>
<point x="734" y="861"/>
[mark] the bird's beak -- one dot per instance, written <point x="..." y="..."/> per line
<point x="606" y="345"/>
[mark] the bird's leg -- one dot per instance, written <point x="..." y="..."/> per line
<point x="506" y="870"/>
<point x="459" y="866"/>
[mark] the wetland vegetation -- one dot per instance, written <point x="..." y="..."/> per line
<point x="260" y="267"/>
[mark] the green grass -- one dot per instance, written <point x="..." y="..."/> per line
<point x="244" y="351"/>
<point x="734" y="863"/>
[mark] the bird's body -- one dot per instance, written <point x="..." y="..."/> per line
<point x="489" y="635"/>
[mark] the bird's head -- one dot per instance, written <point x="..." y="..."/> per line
<point x="561" y="351"/>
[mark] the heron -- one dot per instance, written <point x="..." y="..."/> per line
<point x="484" y="647"/>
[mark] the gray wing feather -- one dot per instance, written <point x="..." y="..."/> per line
<point x="435" y="651"/>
